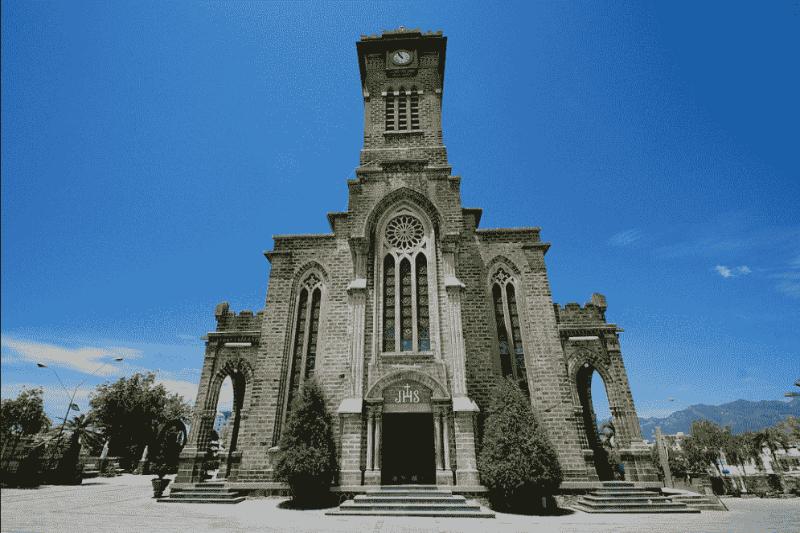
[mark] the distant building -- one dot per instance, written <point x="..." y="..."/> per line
<point x="408" y="312"/>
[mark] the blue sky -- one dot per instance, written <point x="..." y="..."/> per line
<point x="150" y="150"/>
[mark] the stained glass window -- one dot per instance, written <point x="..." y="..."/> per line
<point x="311" y="355"/>
<point x="406" y="324"/>
<point x="388" y="304"/>
<point x="502" y="335"/>
<point x="423" y="313"/>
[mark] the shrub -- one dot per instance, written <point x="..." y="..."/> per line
<point x="306" y="459"/>
<point x="517" y="462"/>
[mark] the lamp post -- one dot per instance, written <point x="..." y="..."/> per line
<point x="75" y="391"/>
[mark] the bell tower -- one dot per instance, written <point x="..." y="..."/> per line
<point x="402" y="77"/>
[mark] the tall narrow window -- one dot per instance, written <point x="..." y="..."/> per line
<point x="401" y="109"/>
<point x="388" y="310"/>
<point x="413" y="104"/>
<point x="509" y="334"/>
<point x="502" y="335"/>
<point x="406" y="311"/>
<point x="311" y="356"/>
<point x="390" y="111"/>
<point x="297" y="351"/>
<point x="423" y="313"/>
<point x="306" y="338"/>
<point x="406" y="305"/>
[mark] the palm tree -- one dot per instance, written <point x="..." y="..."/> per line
<point x="772" y="439"/>
<point x="81" y="431"/>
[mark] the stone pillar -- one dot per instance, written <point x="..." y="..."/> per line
<point x="372" y="474"/>
<point x="454" y="288"/>
<point x="192" y="458"/>
<point x="350" y="448"/>
<point x="437" y="440"/>
<point x="663" y="457"/>
<point x="444" y="474"/>
<point x="369" y="440"/>
<point x="464" y="422"/>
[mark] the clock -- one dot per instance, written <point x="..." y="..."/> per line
<point x="402" y="57"/>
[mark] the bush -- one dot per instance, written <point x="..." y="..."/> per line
<point x="517" y="462"/>
<point x="306" y="459"/>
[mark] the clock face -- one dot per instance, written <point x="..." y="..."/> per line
<point x="401" y="57"/>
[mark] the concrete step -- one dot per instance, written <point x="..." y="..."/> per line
<point x="379" y="498"/>
<point x="700" y="501"/>
<point x="623" y="493"/>
<point x="409" y="487"/>
<point x="409" y="493"/>
<point x="416" y="512"/>
<point x="618" y="483"/>
<point x="200" y="490"/>
<point x="627" y="499"/>
<point x="456" y="506"/>
<point x="190" y="494"/>
<point x="201" y="500"/>
<point x="634" y="509"/>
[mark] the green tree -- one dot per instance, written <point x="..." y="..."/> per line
<point x="78" y="432"/>
<point x="307" y="456"/>
<point x="516" y="462"/>
<point x="704" y="445"/>
<point x="131" y="411"/>
<point x="23" y="415"/>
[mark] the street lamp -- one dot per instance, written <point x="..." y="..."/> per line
<point x="793" y="394"/>
<point x="71" y="404"/>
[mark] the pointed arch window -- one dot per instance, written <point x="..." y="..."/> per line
<point x="306" y="336"/>
<point x="406" y="306"/>
<point x="402" y="109"/>
<point x="509" y="334"/>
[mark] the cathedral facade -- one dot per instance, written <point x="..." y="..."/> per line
<point x="407" y="313"/>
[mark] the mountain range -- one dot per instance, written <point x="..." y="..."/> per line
<point x="740" y="415"/>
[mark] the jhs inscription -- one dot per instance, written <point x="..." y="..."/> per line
<point x="407" y="395"/>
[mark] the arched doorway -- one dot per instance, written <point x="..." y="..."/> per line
<point x="408" y="449"/>
<point x="230" y="399"/>
<point x="593" y="396"/>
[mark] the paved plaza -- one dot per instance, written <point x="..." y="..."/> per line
<point x="125" y="504"/>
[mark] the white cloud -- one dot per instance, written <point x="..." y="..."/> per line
<point x="187" y="389"/>
<point x="724" y="271"/>
<point x="625" y="238"/>
<point x="732" y="272"/>
<point x="86" y="359"/>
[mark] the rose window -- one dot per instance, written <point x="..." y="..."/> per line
<point x="404" y="232"/>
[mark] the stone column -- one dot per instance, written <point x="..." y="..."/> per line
<point x="437" y="440"/>
<point x="464" y="409"/>
<point x="444" y="474"/>
<point x="369" y="440"/>
<point x="464" y="423"/>
<point x="372" y="474"/>
<point x="454" y="288"/>
<point x="350" y="452"/>
<point x="357" y="291"/>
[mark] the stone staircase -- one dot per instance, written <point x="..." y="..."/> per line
<point x="701" y="502"/>
<point x="625" y="497"/>
<point x="411" y="500"/>
<point x="204" y="493"/>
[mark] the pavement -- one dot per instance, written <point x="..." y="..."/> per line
<point x="125" y="503"/>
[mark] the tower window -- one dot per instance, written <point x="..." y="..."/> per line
<point x="406" y="306"/>
<point x="509" y="334"/>
<point x="402" y="110"/>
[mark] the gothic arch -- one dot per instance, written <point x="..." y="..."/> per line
<point x="367" y="227"/>
<point x="438" y="392"/>
<point x="501" y="260"/>
<point x="241" y="374"/>
<point x="307" y="267"/>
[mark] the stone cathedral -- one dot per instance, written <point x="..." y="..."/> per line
<point x="406" y="313"/>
